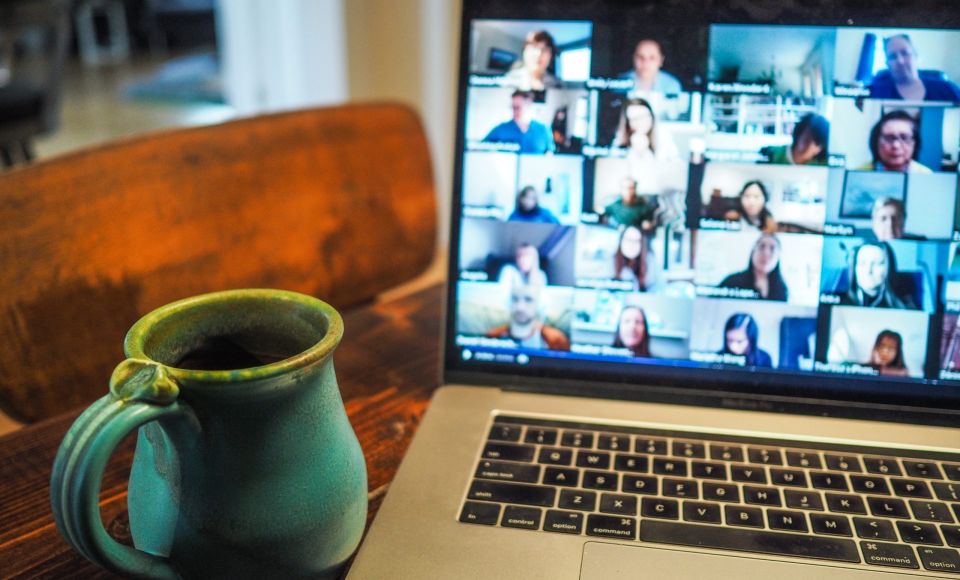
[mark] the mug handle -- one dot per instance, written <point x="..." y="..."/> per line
<point x="140" y="392"/>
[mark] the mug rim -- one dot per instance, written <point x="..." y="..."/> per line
<point x="137" y="336"/>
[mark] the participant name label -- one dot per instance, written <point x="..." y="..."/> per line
<point x="739" y="88"/>
<point x="714" y="292"/>
<point x="845" y="369"/>
<point x="718" y="358"/>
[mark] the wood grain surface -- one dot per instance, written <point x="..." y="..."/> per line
<point x="387" y="366"/>
<point x="337" y="203"/>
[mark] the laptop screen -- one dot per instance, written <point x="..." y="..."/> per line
<point x="746" y="198"/>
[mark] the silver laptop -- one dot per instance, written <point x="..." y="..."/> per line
<point x="702" y="318"/>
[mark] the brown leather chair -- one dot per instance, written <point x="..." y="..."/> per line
<point x="337" y="203"/>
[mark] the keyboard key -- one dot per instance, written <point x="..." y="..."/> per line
<point x="786" y="520"/>
<point x="748" y="473"/>
<point x="805" y="500"/>
<point x="561" y="476"/>
<point x="541" y="436"/>
<point x="952" y="535"/>
<point x="524" y="518"/>
<point x="882" y="465"/>
<point x="696" y="511"/>
<point x="680" y="488"/>
<point x="504" y="433"/>
<point x="917" y="533"/>
<point x="563" y="522"/>
<point x="650" y="446"/>
<point x="634" y="463"/>
<point x="721" y="491"/>
<point x="952" y="470"/>
<point x="508" y="452"/>
<point x="689" y="449"/>
<point x="594" y="459"/>
<point x="830" y="525"/>
<point x="582" y="439"/>
<point x="555" y="456"/>
<point x="706" y="470"/>
<point x="675" y="467"/>
<point x="746" y="517"/>
<point x="931" y="511"/>
<point x="761" y="495"/>
<point x="842" y="462"/>
<point x="947" y="491"/>
<point x="891" y="555"/>
<point x="476" y="512"/>
<point x="622" y="505"/>
<point x="925" y="469"/>
<point x="872" y="529"/>
<point x="823" y="480"/>
<point x="611" y="527"/>
<point x="665" y="509"/>
<point x="726" y="453"/>
<point x="600" y="480"/>
<point x="512" y="493"/>
<point x="888" y="508"/>
<point x="844" y="503"/>
<point x="910" y="487"/>
<point x="764" y="456"/>
<point x="788" y="477"/>
<point x="745" y="540"/>
<point x="869" y="484"/>
<point x="577" y="499"/>
<point x="639" y="484"/>
<point x="508" y="471"/>
<point x="614" y="442"/>
<point x="940" y="559"/>
<point x="804" y="459"/>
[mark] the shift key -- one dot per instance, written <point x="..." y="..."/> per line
<point x="512" y="493"/>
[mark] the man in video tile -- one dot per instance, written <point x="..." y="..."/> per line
<point x="525" y="326"/>
<point x="903" y="80"/>
<point x="531" y="135"/>
<point x="631" y="209"/>
<point x="648" y="73"/>
<point x="528" y="208"/>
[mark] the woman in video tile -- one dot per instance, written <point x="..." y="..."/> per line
<point x="872" y="268"/>
<point x="526" y="269"/>
<point x="528" y="208"/>
<point x="895" y="144"/>
<point x="903" y="80"/>
<point x="645" y="144"/>
<point x="633" y="332"/>
<point x="532" y="71"/>
<point x="810" y="137"/>
<point x="763" y="271"/>
<point x="887" y="354"/>
<point x="740" y="337"/>
<point x="630" y="263"/>
<point x="752" y="209"/>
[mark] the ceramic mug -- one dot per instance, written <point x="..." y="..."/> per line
<point x="246" y="464"/>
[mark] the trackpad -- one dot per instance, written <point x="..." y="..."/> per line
<point x="617" y="562"/>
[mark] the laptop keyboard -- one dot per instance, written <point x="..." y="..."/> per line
<point x="874" y="507"/>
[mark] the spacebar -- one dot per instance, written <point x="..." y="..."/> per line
<point x="760" y="541"/>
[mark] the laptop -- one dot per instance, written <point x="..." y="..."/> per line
<point x="704" y="291"/>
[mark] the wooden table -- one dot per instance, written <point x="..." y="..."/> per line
<point x="388" y="367"/>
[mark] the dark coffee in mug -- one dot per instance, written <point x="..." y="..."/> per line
<point x="224" y="353"/>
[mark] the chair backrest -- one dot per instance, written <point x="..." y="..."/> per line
<point x="337" y="203"/>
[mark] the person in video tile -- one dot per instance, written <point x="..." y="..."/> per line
<point x="895" y="144"/>
<point x="528" y="208"/>
<point x="740" y="336"/>
<point x="887" y="354"/>
<point x="531" y="135"/>
<point x="631" y="209"/>
<point x="872" y="269"/>
<point x="532" y="71"/>
<point x="646" y="145"/>
<point x="887" y="219"/>
<point x="526" y="269"/>
<point x="903" y="80"/>
<point x="752" y="208"/>
<point x="763" y="271"/>
<point x="525" y="326"/>
<point x="648" y="73"/>
<point x="631" y="260"/>
<point x="810" y="137"/>
<point x="633" y="332"/>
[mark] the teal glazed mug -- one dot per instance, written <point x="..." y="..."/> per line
<point x="246" y="465"/>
